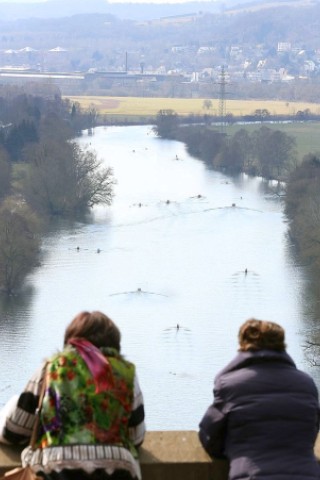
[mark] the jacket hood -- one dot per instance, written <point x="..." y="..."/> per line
<point x="244" y="359"/>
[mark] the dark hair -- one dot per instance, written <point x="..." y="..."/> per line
<point x="259" y="334"/>
<point x="95" y="327"/>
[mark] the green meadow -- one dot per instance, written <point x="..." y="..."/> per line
<point x="307" y="134"/>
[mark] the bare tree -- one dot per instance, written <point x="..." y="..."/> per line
<point x="5" y="173"/>
<point x="166" y="123"/>
<point x="64" y="179"/>
<point x="19" y="243"/>
<point x="93" y="183"/>
<point x="312" y="352"/>
<point x="207" y="104"/>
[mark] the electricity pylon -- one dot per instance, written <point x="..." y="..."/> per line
<point x="222" y="99"/>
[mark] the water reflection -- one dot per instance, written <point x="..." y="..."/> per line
<point x="310" y="325"/>
<point x="171" y="250"/>
<point x="139" y="292"/>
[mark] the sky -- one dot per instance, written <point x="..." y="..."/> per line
<point x="22" y="1"/>
<point x="109" y="1"/>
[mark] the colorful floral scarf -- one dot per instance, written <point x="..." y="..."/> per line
<point x="96" y="362"/>
<point x="73" y="412"/>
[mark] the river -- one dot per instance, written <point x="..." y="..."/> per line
<point x="171" y="250"/>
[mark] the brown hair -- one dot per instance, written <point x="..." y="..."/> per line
<point x="95" y="327"/>
<point x="259" y="334"/>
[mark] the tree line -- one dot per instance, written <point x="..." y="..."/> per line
<point x="43" y="174"/>
<point x="265" y="152"/>
<point x="303" y="209"/>
<point x="268" y="153"/>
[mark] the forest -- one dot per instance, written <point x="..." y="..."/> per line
<point x="270" y="154"/>
<point x="266" y="152"/>
<point x="44" y="174"/>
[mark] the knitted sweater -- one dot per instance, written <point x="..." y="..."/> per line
<point x="80" y="428"/>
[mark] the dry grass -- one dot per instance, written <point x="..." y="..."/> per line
<point x="266" y="5"/>
<point x="151" y="106"/>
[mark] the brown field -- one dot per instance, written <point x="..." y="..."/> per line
<point x="140" y="106"/>
<point x="263" y="6"/>
<point x="306" y="134"/>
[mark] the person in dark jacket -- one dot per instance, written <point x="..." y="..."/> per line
<point x="265" y="415"/>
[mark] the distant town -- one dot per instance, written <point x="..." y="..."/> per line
<point x="185" y="55"/>
<point x="245" y="64"/>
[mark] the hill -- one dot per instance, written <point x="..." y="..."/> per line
<point x="142" y="10"/>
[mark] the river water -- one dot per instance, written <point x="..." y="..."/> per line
<point x="171" y="250"/>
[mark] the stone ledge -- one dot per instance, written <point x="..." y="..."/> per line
<point x="170" y="455"/>
<point x="9" y="458"/>
<point x="165" y="455"/>
<point x="174" y="455"/>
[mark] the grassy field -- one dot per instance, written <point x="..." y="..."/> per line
<point x="266" y="5"/>
<point x="140" y="106"/>
<point x="307" y="134"/>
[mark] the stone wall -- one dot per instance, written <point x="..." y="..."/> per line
<point x="169" y="455"/>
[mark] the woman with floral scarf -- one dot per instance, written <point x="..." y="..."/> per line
<point x="92" y="414"/>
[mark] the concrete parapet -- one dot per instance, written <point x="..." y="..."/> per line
<point x="9" y="458"/>
<point x="173" y="455"/>
<point x="168" y="455"/>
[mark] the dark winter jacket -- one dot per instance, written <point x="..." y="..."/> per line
<point x="264" y="419"/>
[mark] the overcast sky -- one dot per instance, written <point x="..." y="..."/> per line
<point x="110" y="1"/>
<point x="22" y="1"/>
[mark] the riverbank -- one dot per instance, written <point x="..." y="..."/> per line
<point x="188" y="257"/>
<point x="126" y="111"/>
<point x="306" y="134"/>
